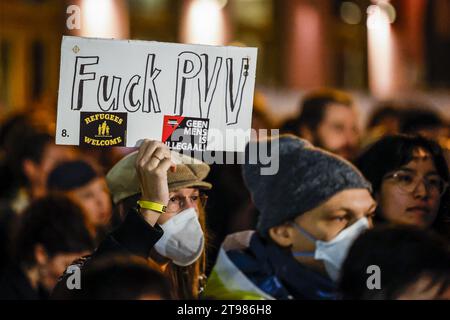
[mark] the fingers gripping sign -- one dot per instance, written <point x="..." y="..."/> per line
<point x="152" y="163"/>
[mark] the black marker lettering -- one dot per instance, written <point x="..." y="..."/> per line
<point x="108" y="98"/>
<point x="78" y="79"/>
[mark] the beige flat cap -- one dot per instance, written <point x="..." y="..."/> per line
<point x="123" y="182"/>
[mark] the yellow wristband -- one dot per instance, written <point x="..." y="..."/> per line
<point x="152" y="206"/>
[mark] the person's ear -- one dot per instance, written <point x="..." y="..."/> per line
<point x="282" y="235"/>
<point x="40" y="254"/>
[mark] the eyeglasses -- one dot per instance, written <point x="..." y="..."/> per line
<point x="178" y="203"/>
<point x="408" y="182"/>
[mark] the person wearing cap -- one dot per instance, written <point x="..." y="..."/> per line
<point x="83" y="184"/>
<point x="158" y="193"/>
<point x="310" y="211"/>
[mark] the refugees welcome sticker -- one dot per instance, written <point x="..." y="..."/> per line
<point x="103" y="129"/>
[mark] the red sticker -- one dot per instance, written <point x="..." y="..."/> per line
<point x="185" y="133"/>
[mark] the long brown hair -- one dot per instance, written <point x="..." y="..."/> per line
<point x="187" y="282"/>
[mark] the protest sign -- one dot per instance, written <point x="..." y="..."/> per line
<point x="118" y="92"/>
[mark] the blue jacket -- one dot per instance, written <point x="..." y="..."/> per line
<point x="250" y="267"/>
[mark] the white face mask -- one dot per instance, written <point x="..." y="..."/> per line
<point x="183" y="240"/>
<point x="334" y="252"/>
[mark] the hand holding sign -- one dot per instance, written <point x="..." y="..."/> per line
<point x="152" y="163"/>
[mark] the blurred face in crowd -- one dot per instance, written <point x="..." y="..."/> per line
<point x="325" y="222"/>
<point x="94" y="198"/>
<point x="50" y="268"/>
<point x="338" y="131"/>
<point x="37" y="173"/>
<point x="411" y="195"/>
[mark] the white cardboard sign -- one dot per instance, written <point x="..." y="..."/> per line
<point x="118" y="92"/>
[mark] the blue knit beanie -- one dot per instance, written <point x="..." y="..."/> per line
<point x="70" y="175"/>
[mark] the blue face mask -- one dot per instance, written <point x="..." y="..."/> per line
<point x="333" y="252"/>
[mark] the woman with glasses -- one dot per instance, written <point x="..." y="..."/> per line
<point x="159" y="195"/>
<point x="410" y="179"/>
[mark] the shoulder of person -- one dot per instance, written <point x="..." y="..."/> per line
<point x="61" y="292"/>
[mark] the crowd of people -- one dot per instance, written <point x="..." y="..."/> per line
<point x="151" y="223"/>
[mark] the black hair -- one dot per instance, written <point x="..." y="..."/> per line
<point x="382" y="111"/>
<point x="391" y="152"/>
<point x="416" y="119"/>
<point x="70" y="175"/>
<point x="8" y="126"/>
<point x="313" y="108"/>
<point x="404" y="254"/>
<point x="120" y="278"/>
<point x="25" y="143"/>
<point x="56" y="223"/>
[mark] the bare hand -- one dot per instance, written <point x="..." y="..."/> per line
<point x="152" y="163"/>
